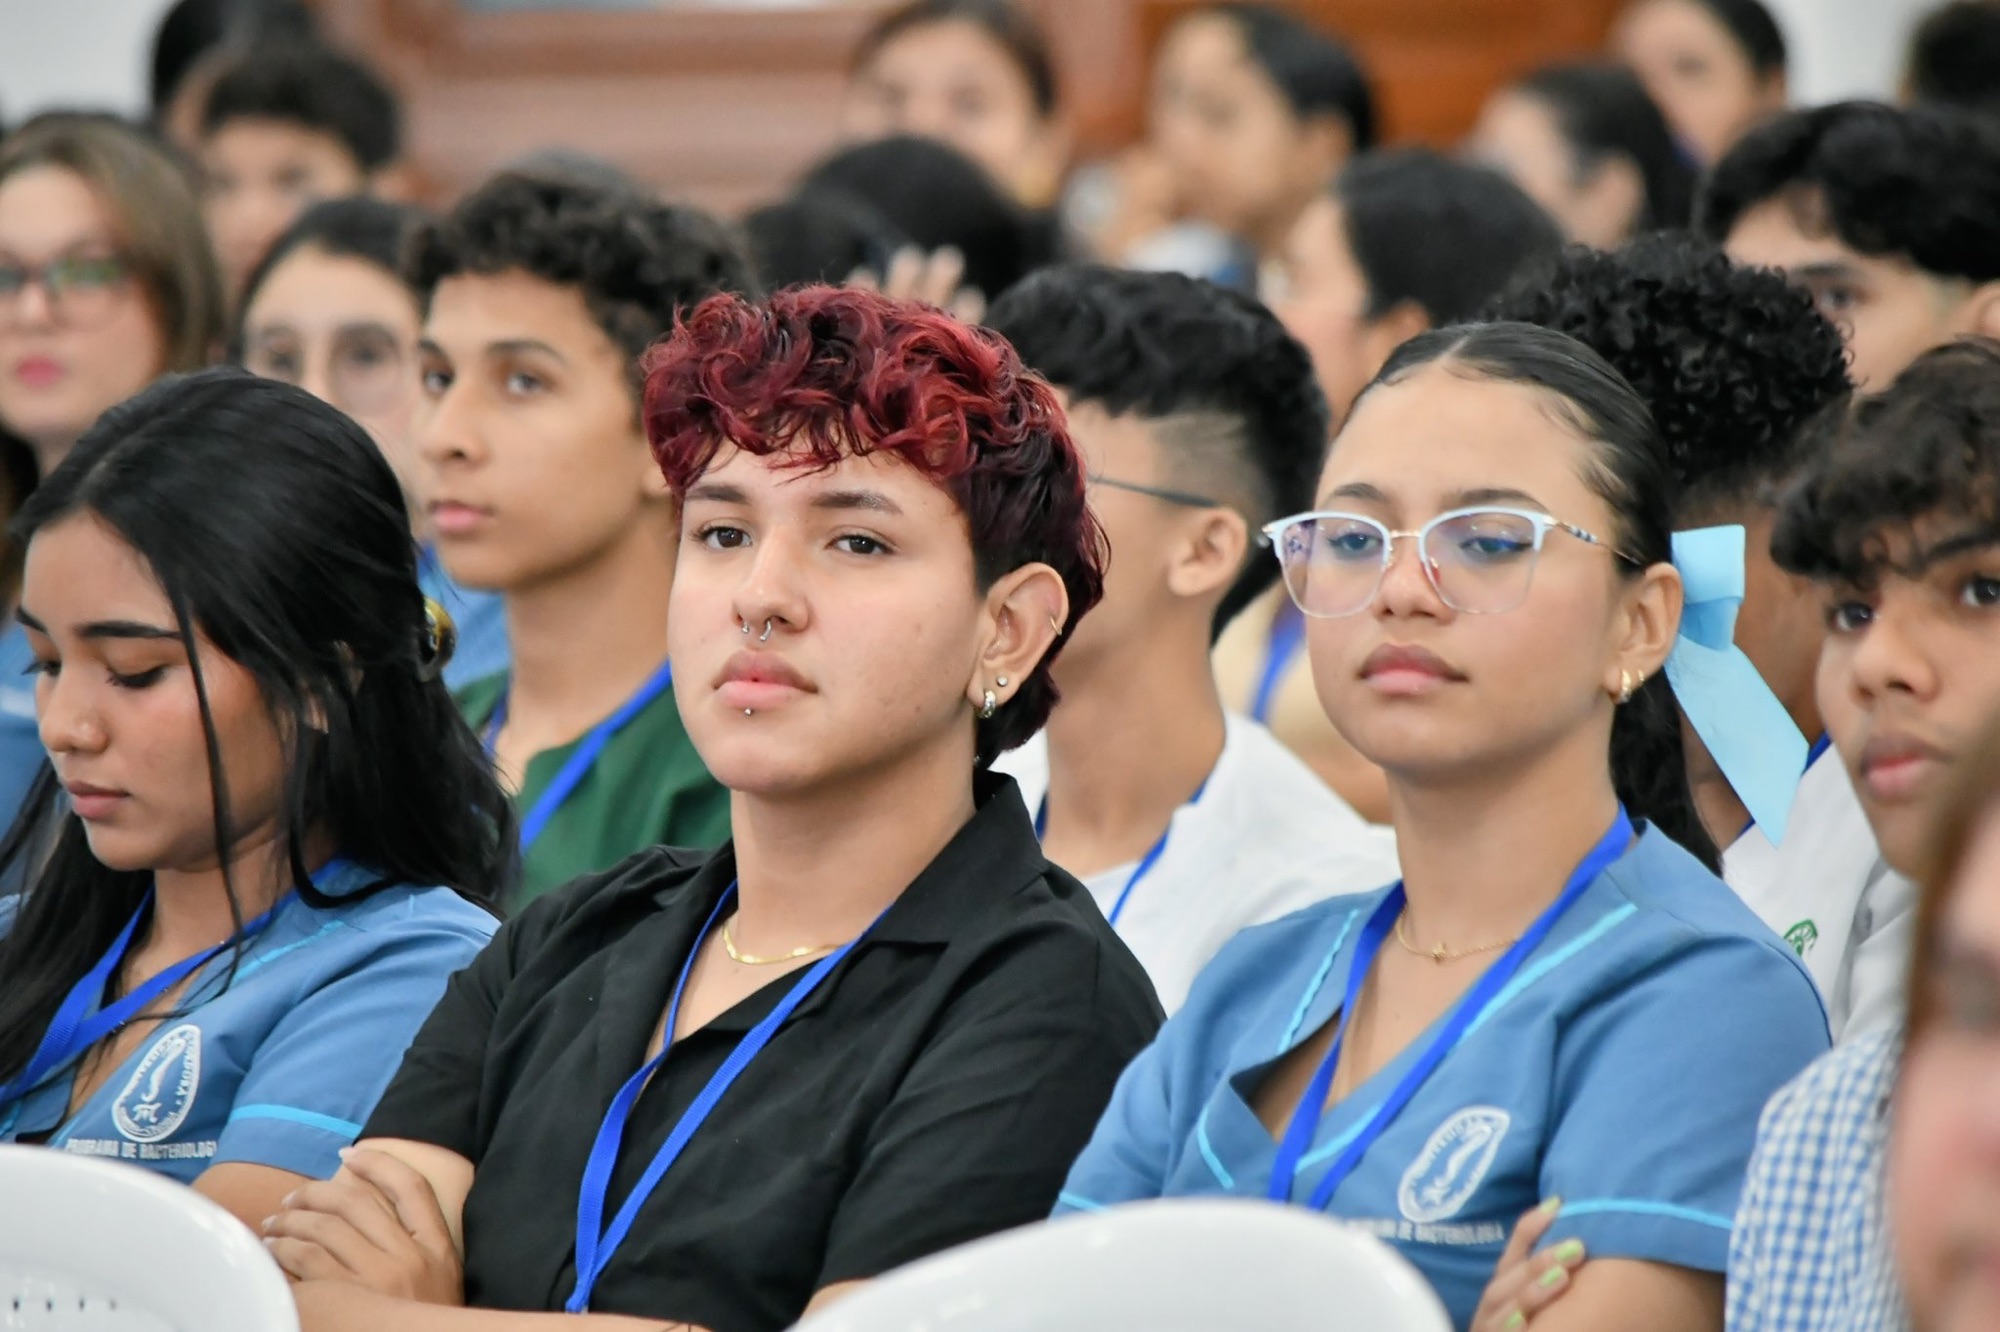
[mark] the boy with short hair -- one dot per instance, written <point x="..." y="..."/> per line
<point x="540" y="293"/>
<point x="1736" y="363"/>
<point x="1891" y="218"/>
<point x="1199" y="422"/>
<point x="286" y="125"/>
<point x="1898" y="523"/>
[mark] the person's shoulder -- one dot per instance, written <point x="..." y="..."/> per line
<point x="476" y="699"/>
<point x="1303" y="941"/>
<point x="414" y="910"/>
<point x="1840" y="1094"/>
<point x="1679" y="898"/>
<point x="642" y="882"/>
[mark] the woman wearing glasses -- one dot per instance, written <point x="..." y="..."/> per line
<point x="328" y="310"/>
<point x="1560" y="1011"/>
<point x="106" y="282"/>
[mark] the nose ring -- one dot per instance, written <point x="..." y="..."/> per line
<point x="764" y="637"/>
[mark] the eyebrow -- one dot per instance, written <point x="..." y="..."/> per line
<point x="1952" y="546"/>
<point x="1357" y="490"/>
<point x="98" y="629"/>
<point x="1824" y="268"/>
<point x="717" y="492"/>
<point x="1372" y="494"/>
<point x="872" y="501"/>
<point x="516" y="346"/>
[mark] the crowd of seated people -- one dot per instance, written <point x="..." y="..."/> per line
<point x="567" y="757"/>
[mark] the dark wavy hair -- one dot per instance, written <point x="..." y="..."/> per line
<point x="816" y="374"/>
<point x="1921" y="183"/>
<point x="278" y="534"/>
<point x="1756" y="33"/>
<point x="636" y="260"/>
<point x="1927" y="446"/>
<point x="1955" y="57"/>
<point x="1733" y="362"/>
<point x="1010" y="27"/>
<point x="1604" y="112"/>
<point x="1630" y="473"/>
<point x="1238" y="408"/>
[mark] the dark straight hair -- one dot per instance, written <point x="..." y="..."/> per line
<point x="279" y="535"/>
<point x="360" y="226"/>
<point x="1631" y="472"/>
<point x="1603" y="112"/>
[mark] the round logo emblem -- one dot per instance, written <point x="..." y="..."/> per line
<point x="161" y="1091"/>
<point x="1802" y="937"/>
<point x="1447" y="1172"/>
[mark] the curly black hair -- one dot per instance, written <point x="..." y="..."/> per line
<point x="1927" y="447"/>
<point x="1921" y="183"/>
<point x="1242" y="413"/>
<point x="1735" y="362"/>
<point x="637" y="260"/>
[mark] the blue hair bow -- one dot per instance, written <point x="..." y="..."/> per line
<point x="1753" y="739"/>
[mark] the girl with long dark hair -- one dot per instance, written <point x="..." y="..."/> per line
<point x="266" y="837"/>
<point x="1560" y="1007"/>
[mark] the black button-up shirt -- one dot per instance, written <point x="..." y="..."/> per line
<point x="935" y="1088"/>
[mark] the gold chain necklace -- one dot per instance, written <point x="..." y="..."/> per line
<point x="729" y="946"/>
<point x="1440" y="954"/>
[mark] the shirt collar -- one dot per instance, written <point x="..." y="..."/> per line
<point x="985" y="864"/>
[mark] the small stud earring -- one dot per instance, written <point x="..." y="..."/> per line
<point x="1000" y="682"/>
<point x="988" y="705"/>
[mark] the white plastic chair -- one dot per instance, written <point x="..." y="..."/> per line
<point x="1206" y="1265"/>
<point x="97" y="1246"/>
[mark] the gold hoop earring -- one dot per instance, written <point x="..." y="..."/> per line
<point x="988" y="705"/>
<point x="1629" y="683"/>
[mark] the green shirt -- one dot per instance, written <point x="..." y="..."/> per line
<point x="648" y="788"/>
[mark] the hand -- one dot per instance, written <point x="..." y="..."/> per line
<point x="936" y="277"/>
<point x="377" y="1225"/>
<point x="1525" y="1282"/>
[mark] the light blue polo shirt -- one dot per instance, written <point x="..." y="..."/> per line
<point x="1622" y="1070"/>
<point x="281" y="1065"/>
<point x="21" y="752"/>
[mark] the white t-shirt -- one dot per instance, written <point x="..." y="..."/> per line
<point x="1829" y="894"/>
<point x="1266" y="838"/>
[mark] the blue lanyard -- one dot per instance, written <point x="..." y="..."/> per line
<point x="71" y="1033"/>
<point x="1146" y="862"/>
<point x="572" y="773"/>
<point x="1288" y="635"/>
<point x="596" y="1242"/>
<point x="1306" y="1119"/>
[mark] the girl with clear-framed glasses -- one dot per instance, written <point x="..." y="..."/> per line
<point x="1554" y="1037"/>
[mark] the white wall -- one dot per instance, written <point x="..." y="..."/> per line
<point x="75" y="53"/>
<point x="1847" y="48"/>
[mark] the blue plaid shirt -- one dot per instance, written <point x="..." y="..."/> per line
<point x="1810" y="1251"/>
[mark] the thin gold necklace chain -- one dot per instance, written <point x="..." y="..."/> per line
<point x="1439" y="954"/>
<point x="729" y="946"/>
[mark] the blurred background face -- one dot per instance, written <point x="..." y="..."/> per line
<point x="1488" y="690"/>
<point x="865" y="571"/>
<point x="1888" y="311"/>
<point x="1907" y="676"/>
<point x="1695" y="70"/>
<point x="526" y="400"/>
<point x="115" y="697"/>
<point x="261" y="174"/>
<point x="77" y="334"/>
<point x="1317" y="289"/>
<point x="346" y="331"/>
<point x="1517" y="135"/>
<point x="1944" y="1167"/>
<point x="953" y="82"/>
<point x="1240" y="158"/>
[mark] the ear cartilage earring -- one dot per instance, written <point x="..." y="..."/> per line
<point x="764" y="637"/>
<point x="988" y="705"/>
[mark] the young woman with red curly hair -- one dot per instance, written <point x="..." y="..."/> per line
<point x="720" y="1088"/>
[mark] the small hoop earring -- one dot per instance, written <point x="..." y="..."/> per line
<point x="1056" y="625"/>
<point x="988" y="705"/>
<point x="764" y="637"/>
<point x="1629" y="683"/>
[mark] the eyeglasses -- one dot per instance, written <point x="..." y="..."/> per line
<point x="1480" y="561"/>
<point x="1186" y="498"/>
<point x="367" y="370"/>
<point x="82" y="289"/>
